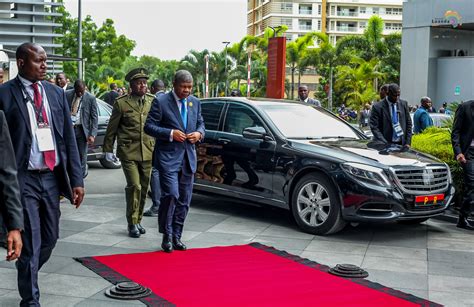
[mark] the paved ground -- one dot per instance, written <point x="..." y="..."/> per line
<point x="434" y="260"/>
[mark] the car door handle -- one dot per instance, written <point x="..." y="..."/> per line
<point x="223" y="141"/>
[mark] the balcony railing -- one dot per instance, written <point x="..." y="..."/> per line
<point x="346" y="29"/>
<point x="305" y="27"/>
<point x="305" y="12"/>
<point x="348" y="14"/>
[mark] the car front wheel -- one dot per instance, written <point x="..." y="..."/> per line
<point x="316" y="207"/>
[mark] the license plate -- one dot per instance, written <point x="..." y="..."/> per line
<point x="429" y="199"/>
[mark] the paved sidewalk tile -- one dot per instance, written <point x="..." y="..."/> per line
<point x="331" y="259"/>
<point x="396" y="265"/>
<point x="454" y="284"/>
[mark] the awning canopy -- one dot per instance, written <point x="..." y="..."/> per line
<point x="54" y="57"/>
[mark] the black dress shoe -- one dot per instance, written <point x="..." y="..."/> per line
<point x="133" y="231"/>
<point x="166" y="244"/>
<point x="178" y="245"/>
<point x="150" y="212"/>
<point x="464" y="223"/>
<point x="141" y="229"/>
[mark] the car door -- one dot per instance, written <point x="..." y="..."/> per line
<point x="103" y="112"/>
<point x="208" y="163"/>
<point x="245" y="161"/>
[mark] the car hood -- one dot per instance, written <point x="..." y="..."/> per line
<point x="365" y="151"/>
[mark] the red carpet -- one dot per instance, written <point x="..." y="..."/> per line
<point x="246" y="275"/>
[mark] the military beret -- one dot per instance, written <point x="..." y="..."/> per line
<point x="136" y="74"/>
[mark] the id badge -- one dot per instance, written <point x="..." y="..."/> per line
<point x="44" y="137"/>
<point x="74" y="119"/>
<point x="398" y="129"/>
<point x="366" y="121"/>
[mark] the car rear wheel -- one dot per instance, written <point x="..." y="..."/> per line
<point x="316" y="207"/>
<point x="110" y="164"/>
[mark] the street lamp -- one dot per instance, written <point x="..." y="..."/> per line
<point x="225" y="68"/>
<point x="80" y="68"/>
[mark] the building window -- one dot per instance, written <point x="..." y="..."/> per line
<point x="319" y="25"/>
<point x="306" y="9"/>
<point x="393" y="26"/>
<point x="393" y="11"/>
<point x="375" y="10"/>
<point x="362" y="24"/>
<point x="286" y="7"/>
<point x="319" y="9"/>
<point x="287" y="22"/>
<point x="304" y="24"/>
<point x="362" y="10"/>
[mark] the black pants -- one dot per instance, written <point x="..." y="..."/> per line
<point x="468" y="201"/>
<point x="81" y="142"/>
<point x="41" y="209"/>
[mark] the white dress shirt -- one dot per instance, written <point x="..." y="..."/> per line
<point x="36" y="161"/>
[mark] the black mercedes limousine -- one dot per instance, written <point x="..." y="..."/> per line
<point x="309" y="161"/>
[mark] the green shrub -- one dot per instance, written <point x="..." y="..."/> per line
<point x="437" y="142"/>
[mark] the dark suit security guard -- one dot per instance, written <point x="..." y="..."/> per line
<point x="134" y="147"/>
<point x="10" y="203"/>
<point x="462" y="138"/>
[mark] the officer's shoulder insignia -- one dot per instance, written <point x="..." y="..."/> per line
<point x="121" y="97"/>
<point x="150" y="95"/>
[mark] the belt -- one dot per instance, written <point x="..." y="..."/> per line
<point x="40" y="171"/>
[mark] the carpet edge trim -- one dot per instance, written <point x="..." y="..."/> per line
<point x="153" y="300"/>
<point x="364" y="282"/>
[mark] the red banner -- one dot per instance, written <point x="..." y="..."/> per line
<point x="276" y="66"/>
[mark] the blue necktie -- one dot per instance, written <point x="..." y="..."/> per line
<point x="184" y="112"/>
<point x="394" y="121"/>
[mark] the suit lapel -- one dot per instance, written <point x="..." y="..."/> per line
<point x="133" y="104"/>
<point x="17" y="93"/>
<point x="189" y="112"/>
<point x="386" y="111"/>
<point x="51" y="102"/>
<point x="174" y="109"/>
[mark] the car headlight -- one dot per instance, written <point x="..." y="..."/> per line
<point x="367" y="173"/>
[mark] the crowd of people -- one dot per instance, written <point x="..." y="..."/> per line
<point x="44" y="132"/>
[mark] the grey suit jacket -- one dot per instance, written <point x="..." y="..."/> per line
<point x="89" y="115"/>
<point x="312" y="101"/>
<point x="10" y="202"/>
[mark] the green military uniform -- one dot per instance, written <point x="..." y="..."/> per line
<point x="134" y="146"/>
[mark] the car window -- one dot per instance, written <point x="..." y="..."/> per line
<point x="211" y="113"/>
<point x="304" y="121"/>
<point x="103" y="111"/>
<point x="240" y="117"/>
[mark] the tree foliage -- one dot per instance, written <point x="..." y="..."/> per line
<point x="103" y="49"/>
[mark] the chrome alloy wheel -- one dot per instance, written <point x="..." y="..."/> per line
<point x="313" y="204"/>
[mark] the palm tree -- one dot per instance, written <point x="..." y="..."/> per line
<point x="355" y="81"/>
<point x="295" y="52"/>
<point x="195" y="63"/>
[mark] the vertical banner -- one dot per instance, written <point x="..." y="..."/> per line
<point x="276" y="67"/>
<point x="207" y="76"/>
<point x="249" y="65"/>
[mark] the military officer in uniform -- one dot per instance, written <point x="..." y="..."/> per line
<point x="134" y="146"/>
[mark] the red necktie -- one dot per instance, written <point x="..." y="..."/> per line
<point x="49" y="156"/>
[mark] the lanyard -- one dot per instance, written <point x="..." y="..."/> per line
<point x="38" y="111"/>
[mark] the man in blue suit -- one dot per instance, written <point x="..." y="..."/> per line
<point x="421" y="118"/>
<point x="175" y="121"/>
<point x="47" y="160"/>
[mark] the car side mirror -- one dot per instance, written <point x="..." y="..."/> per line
<point x="254" y="133"/>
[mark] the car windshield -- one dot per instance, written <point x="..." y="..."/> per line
<point x="296" y="121"/>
